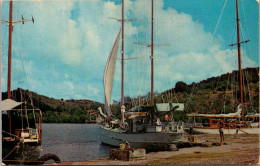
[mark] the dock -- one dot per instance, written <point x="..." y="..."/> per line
<point x="236" y="150"/>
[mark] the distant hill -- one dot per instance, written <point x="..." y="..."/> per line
<point x="213" y="95"/>
<point x="59" y="110"/>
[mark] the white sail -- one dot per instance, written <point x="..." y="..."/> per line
<point x="109" y="74"/>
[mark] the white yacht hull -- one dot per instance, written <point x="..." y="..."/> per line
<point x="116" y="137"/>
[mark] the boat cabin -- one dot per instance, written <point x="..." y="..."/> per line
<point x="21" y="121"/>
<point x="146" y="118"/>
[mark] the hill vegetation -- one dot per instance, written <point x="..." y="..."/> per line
<point x="59" y="110"/>
<point x="213" y="95"/>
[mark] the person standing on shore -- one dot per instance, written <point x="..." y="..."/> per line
<point x="221" y="133"/>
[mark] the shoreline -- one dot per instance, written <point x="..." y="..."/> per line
<point x="238" y="149"/>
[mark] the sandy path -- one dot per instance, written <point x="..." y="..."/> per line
<point x="241" y="149"/>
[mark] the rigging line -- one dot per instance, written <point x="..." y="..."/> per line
<point x="139" y="72"/>
<point x="27" y="118"/>
<point x="249" y="94"/>
<point x="162" y="97"/>
<point x="11" y="134"/>
<point x="244" y="89"/>
<point x="21" y="108"/>
<point x="159" y="77"/>
<point x="233" y="34"/>
<point x="250" y="97"/>
<point x="245" y="19"/>
<point x="22" y="118"/>
<point x="16" y="147"/>
<point x="191" y="94"/>
<point x="165" y="83"/>
<point x="246" y="45"/>
<point x="168" y="85"/>
<point x="224" y="107"/>
<point x="233" y="81"/>
<point x="216" y="27"/>
<point x="243" y="33"/>
<point x="144" y="77"/>
<point x="22" y="62"/>
<point x="168" y="96"/>
<point x="140" y="76"/>
<point x="188" y="101"/>
<point x="236" y="82"/>
<point x="175" y="96"/>
<point x="4" y="42"/>
<point x="35" y="122"/>
<point x="216" y="93"/>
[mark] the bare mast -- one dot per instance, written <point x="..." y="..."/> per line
<point x="10" y="61"/>
<point x="10" y="50"/>
<point x="152" y="96"/>
<point x="152" y="52"/>
<point x="122" y="57"/>
<point x="239" y="60"/>
<point x="10" y="24"/>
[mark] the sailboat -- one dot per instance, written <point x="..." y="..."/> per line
<point x="140" y="126"/>
<point x="21" y="135"/>
<point x="234" y="124"/>
<point x="231" y="126"/>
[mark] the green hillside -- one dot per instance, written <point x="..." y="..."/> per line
<point x="59" y="110"/>
<point x="213" y="95"/>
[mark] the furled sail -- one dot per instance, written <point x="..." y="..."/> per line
<point x="237" y="114"/>
<point x="109" y="74"/>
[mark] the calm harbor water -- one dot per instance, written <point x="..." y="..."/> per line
<point x="73" y="142"/>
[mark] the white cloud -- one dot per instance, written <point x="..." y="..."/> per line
<point x="92" y="91"/>
<point x="193" y="55"/>
<point x="76" y="47"/>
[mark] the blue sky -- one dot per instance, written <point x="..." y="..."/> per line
<point x="63" y="54"/>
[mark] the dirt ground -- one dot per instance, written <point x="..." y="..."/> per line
<point x="238" y="149"/>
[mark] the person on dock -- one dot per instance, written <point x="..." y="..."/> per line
<point x="221" y="133"/>
<point x="166" y="118"/>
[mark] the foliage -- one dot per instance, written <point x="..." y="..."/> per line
<point x="181" y="87"/>
<point x="208" y="96"/>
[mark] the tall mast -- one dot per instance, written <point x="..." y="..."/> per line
<point x="10" y="61"/>
<point x="239" y="60"/>
<point x="152" y="96"/>
<point x="10" y="49"/>
<point x="10" y="24"/>
<point x="122" y="57"/>
<point x="152" y="55"/>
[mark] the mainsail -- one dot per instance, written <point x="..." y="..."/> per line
<point x="109" y="74"/>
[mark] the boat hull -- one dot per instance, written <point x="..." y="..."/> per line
<point x="208" y="130"/>
<point x="138" y="140"/>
